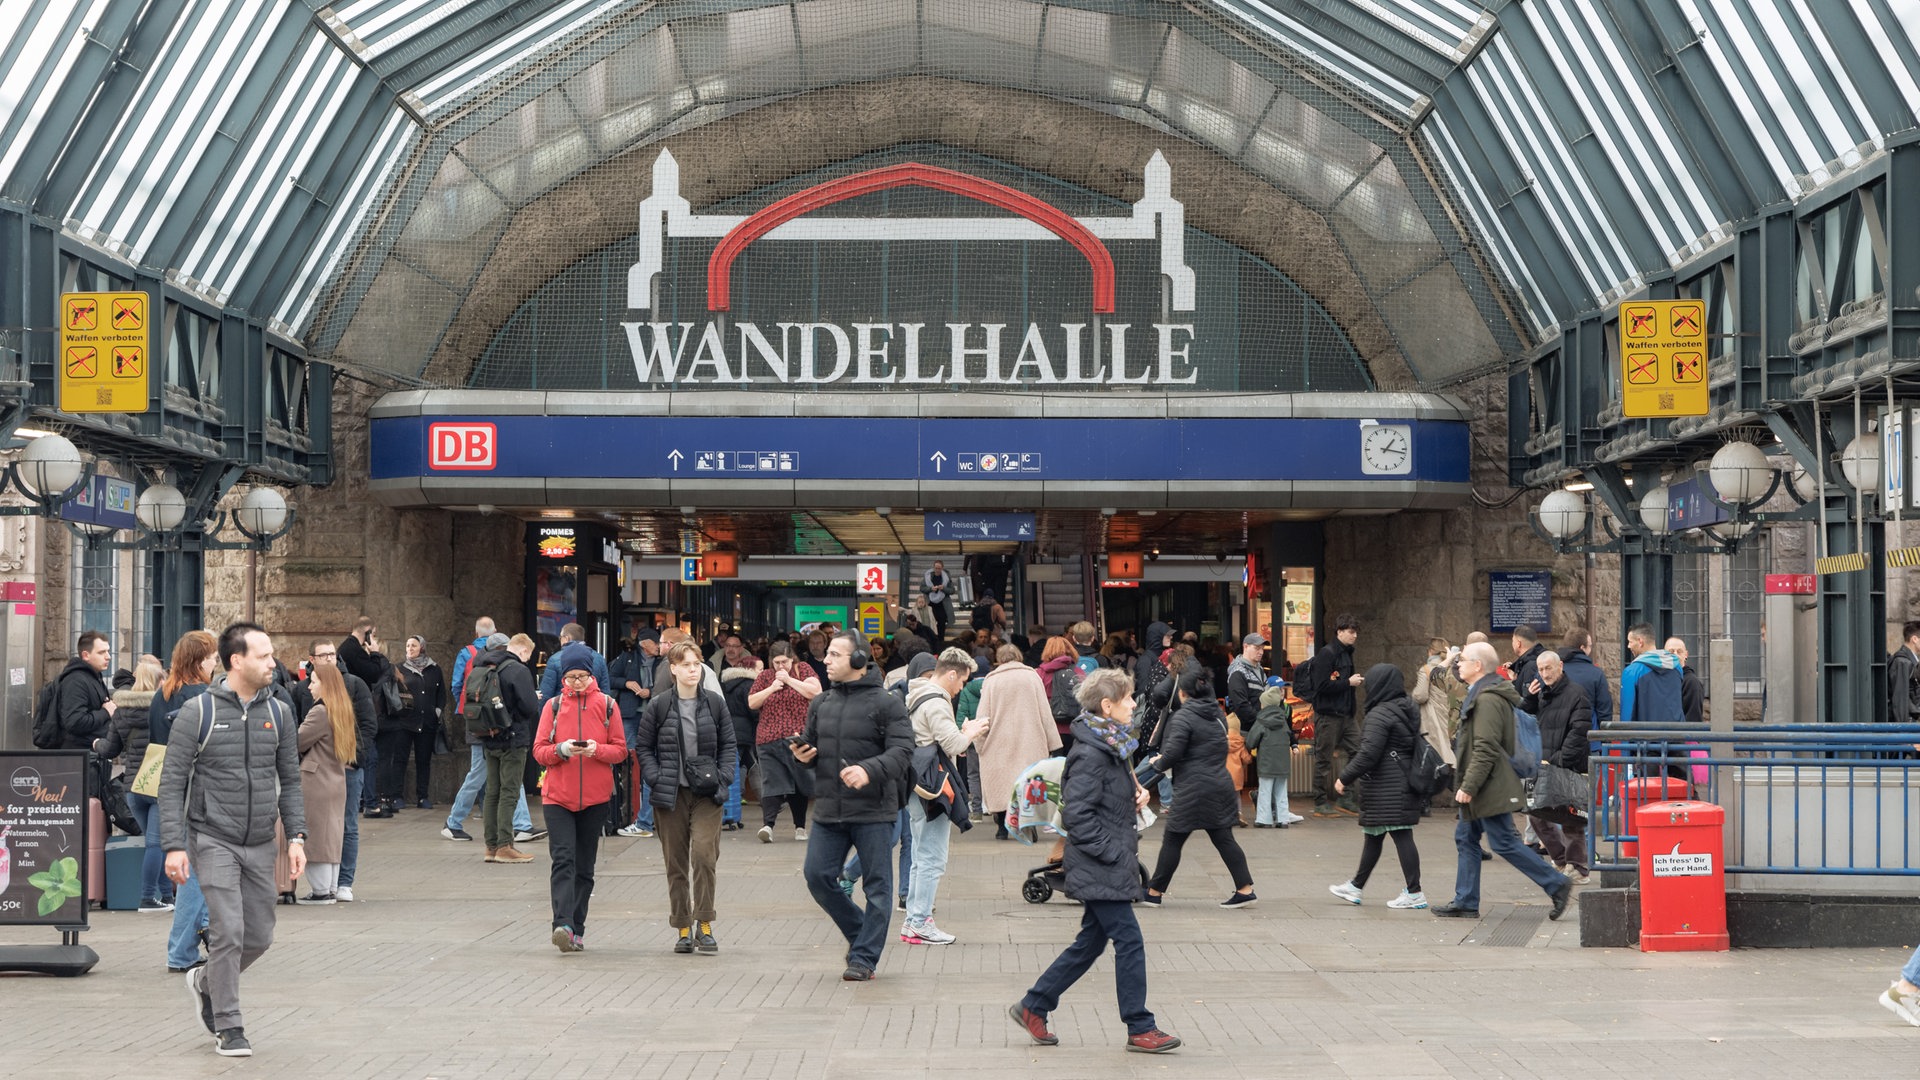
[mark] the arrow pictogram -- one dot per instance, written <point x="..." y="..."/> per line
<point x="1643" y="368"/>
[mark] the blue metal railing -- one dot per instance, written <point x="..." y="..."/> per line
<point x="1800" y="798"/>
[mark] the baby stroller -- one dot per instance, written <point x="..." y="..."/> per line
<point x="1033" y="812"/>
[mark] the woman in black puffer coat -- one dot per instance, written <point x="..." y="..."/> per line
<point x="1194" y="750"/>
<point x="1388" y="804"/>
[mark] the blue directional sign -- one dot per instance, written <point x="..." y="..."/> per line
<point x="979" y="526"/>
<point x="688" y="448"/>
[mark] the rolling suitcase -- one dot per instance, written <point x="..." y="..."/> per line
<point x="124" y="856"/>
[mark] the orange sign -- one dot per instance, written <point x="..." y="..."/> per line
<point x="1663" y="358"/>
<point x="1125" y="566"/>
<point x="720" y="564"/>
<point x="103" y="352"/>
<point x="557" y="547"/>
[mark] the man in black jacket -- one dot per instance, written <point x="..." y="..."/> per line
<point x="1565" y="717"/>
<point x="1336" y="731"/>
<point x="860" y="743"/>
<point x="360" y="656"/>
<point x="1693" y="692"/>
<point x="1526" y="658"/>
<point x="1903" y="669"/>
<point x="80" y="698"/>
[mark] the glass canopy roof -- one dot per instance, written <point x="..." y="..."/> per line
<point x="346" y="169"/>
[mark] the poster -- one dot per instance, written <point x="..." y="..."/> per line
<point x="43" y="838"/>
<point x="554" y="603"/>
<point x="1520" y="598"/>
<point x="1298" y="602"/>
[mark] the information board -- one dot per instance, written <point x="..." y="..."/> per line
<point x="1519" y="598"/>
<point x="43" y="838"/>
<point x="1663" y="358"/>
<point x="808" y="616"/>
<point x="103" y="352"/>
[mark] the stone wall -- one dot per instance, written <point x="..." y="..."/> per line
<point x="1416" y="575"/>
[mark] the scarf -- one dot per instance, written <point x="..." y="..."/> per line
<point x="1113" y="732"/>
<point x="417" y="664"/>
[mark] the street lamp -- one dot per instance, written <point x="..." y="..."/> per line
<point x="262" y="514"/>
<point x="1563" y="514"/>
<point x="1654" y="506"/>
<point x="48" y="470"/>
<point x="161" y="508"/>
<point x="1741" y="474"/>
<point x="1860" y="463"/>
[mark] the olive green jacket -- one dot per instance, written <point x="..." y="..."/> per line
<point x="1484" y="747"/>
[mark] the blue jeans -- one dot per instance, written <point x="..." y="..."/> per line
<point x="470" y="790"/>
<point x="928" y="839"/>
<point x="731" y="811"/>
<point x="350" y="842"/>
<point x="369" y="797"/>
<point x="644" y="816"/>
<point x="1103" y="921"/>
<point x="1504" y="840"/>
<point x="153" y="884"/>
<point x="189" y="918"/>
<point x="1911" y="972"/>
<point x="1271" y="807"/>
<point x="827" y="847"/>
<point x="903" y="836"/>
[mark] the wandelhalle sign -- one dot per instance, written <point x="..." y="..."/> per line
<point x="1132" y="326"/>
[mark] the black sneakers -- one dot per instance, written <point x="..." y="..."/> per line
<point x="703" y="942"/>
<point x="1240" y="899"/>
<point x="1451" y="910"/>
<point x="1561" y="895"/>
<point x="856" y="973"/>
<point x="684" y="943"/>
<point x="232" y="1042"/>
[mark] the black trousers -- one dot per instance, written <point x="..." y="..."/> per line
<point x="394" y="747"/>
<point x="1403" y="844"/>
<point x="573" y="845"/>
<point x="1223" y="842"/>
<point x="770" y="809"/>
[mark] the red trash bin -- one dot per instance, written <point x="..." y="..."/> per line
<point x="1683" y="885"/>
<point x="1639" y="792"/>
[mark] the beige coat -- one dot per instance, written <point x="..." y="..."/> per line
<point x="1432" y="691"/>
<point x="1020" y="730"/>
<point x="323" y="787"/>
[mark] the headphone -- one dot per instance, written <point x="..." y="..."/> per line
<point x="859" y="658"/>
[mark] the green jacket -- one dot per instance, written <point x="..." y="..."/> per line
<point x="969" y="702"/>
<point x="1272" y="735"/>
<point x="1484" y="748"/>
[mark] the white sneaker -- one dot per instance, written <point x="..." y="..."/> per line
<point x="799" y="834"/>
<point x="925" y="934"/>
<point x="633" y="830"/>
<point x="1904" y="1006"/>
<point x="1292" y="818"/>
<point x="1346" y="891"/>
<point x="766" y="834"/>
<point x="1408" y="901"/>
<point x="344" y="894"/>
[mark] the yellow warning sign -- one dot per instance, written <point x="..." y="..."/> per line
<point x="1663" y="358"/>
<point x="104" y="340"/>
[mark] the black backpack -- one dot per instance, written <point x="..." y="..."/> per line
<point x="485" y="713"/>
<point x="1061" y="698"/>
<point x="46" y="717"/>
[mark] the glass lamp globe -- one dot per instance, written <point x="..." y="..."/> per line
<point x="161" y="508"/>
<point x="1563" y="514"/>
<point x="1740" y="472"/>
<point x="1860" y="462"/>
<point x="262" y="512"/>
<point x="49" y="465"/>
<point x="1653" y="510"/>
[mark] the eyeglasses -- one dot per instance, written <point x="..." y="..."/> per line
<point x="323" y="656"/>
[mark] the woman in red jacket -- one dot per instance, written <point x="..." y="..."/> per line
<point x="579" y="740"/>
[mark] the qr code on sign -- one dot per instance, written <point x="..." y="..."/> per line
<point x="103" y="395"/>
<point x="1666" y="401"/>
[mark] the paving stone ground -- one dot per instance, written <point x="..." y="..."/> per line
<point x="443" y="969"/>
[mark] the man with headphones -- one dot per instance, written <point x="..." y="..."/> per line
<point x="860" y="744"/>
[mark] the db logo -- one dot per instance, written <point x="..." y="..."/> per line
<point x="460" y="446"/>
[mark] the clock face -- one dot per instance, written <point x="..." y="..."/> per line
<point x="1386" y="449"/>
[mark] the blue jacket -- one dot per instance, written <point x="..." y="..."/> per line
<point x="463" y="663"/>
<point x="550" y="678"/>
<point x="1097" y="811"/>
<point x="1581" y="670"/>
<point x="1650" y="689"/>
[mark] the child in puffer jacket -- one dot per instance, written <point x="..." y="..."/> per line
<point x="1272" y="741"/>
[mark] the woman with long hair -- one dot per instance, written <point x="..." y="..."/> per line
<point x="327" y="740"/>
<point x="128" y="738"/>
<point x="1055" y="657"/>
<point x="1194" y="751"/>
<point x="1384" y="770"/>
<point x="195" y="658"/>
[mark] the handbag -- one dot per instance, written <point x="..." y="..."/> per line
<point x="389" y="698"/>
<point x="146" y="779"/>
<point x="1554" y="788"/>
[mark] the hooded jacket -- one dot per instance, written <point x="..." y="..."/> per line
<point x="244" y="779"/>
<point x="557" y="663"/>
<point x="1245" y="682"/>
<point x="516" y="695"/>
<point x="859" y="723"/>
<point x="1650" y="689"/>
<point x="1148" y="670"/>
<point x="1484" y="747"/>
<point x="1526" y="668"/>
<point x="1272" y="735"/>
<point x="1385" y="760"/>
<point x="81" y="698"/>
<point x="581" y="780"/>
<point x="130" y="732"/>
<point x="1432" y="691"/>
<point x="1097" y="811"/>
<point x="1194" y="750"/>
<point x="736" y="685"/>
